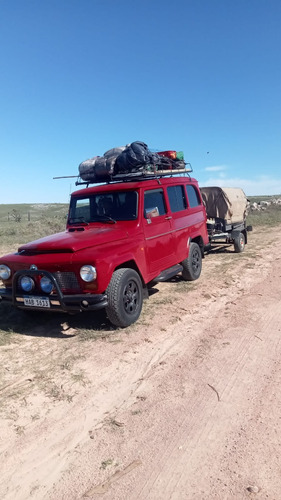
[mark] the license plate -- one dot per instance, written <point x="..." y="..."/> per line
<point x="36" y="301"/>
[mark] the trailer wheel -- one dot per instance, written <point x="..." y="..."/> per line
<point x="239" y="243"/>
<point x="192" y="265"/>
<point x="125" y="297"/>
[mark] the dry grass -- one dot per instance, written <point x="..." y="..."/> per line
<point x="269" y="217"/>
<point x="35" y="222"/>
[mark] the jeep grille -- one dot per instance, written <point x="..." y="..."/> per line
<point x="67" y="281"/>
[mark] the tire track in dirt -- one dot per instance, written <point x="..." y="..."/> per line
<point x="181" y="473"/>
<point x="243" y="367"/>
<point x="176" y="483"/>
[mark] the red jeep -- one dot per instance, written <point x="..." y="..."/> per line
<point x="121" y="238"/>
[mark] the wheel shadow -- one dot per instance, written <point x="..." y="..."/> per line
<point x="53" y="325"/>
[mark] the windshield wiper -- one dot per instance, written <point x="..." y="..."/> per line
<point x="78" y="220"/>
<point x="103" y="218"/>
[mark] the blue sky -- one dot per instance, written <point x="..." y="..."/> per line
<point x="79" y="77"/>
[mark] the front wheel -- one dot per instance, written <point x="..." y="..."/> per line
<point x="125" y="297"/>
<point x="239" y="243"/>
<point x="192" y="265"/>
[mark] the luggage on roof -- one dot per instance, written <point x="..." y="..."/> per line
<point x="87" y="169"/>
<point x="114" y="151"/>
<point x="130" y="160"/>
<point x="134" y="158"/>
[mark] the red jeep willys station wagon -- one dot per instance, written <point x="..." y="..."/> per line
<point x="121" y="238"/>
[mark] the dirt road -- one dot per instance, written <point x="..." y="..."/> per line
<point x="186" y="404"/>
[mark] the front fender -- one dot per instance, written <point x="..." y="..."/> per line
<point x="109" y="257"/>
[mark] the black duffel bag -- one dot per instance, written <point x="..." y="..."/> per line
<point x="134" y="158"/>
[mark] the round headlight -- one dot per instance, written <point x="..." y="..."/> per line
<point x="46" y="284"/>
<point x="26" y="283"/>
<point x="5" y="272"/>
<point x="88" y="273"/>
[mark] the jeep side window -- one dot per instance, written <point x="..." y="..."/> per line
<point x="193" y="196"/>
<point x="177" y="198"/>
<point x="154" y="204"/>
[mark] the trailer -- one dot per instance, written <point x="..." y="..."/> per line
<point x="226" y="210"/>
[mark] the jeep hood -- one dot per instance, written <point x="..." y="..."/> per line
<point x="78" y="238"/>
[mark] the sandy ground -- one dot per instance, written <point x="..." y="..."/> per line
<point x="185" y="404"/>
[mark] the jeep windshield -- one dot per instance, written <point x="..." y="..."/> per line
<point x="107" y="207"/>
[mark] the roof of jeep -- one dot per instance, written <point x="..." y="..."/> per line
<point x="129" y="185"/>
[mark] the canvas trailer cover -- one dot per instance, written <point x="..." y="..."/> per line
<point x="225" y="203"/>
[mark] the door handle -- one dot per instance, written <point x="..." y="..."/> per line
<point x="168" y="218"/>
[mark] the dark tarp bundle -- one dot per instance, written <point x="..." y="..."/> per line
<point x="99" y="168"/>
<point x="134" y="158"/>
<point x="86" y="169"/>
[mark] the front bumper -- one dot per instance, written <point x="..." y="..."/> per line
<point x="57" y="300"/>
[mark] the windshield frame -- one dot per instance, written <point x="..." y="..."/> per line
<point x="104" y="207"/>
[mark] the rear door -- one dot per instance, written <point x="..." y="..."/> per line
<point x="197" y="213"/>
<point x="180" y="220"/>
<point x="188" y="217"/>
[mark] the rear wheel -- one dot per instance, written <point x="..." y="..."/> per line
<point x="239" y="243"/>
<point x="192" y="265"/>
<point x="125" y="297"/>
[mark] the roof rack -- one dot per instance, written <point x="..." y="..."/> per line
<point x="149" y="173"/>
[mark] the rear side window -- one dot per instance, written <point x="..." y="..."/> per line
<point x="193" y="196"/>
<point x="154" y="204"/>
<point x="177" y="198"/>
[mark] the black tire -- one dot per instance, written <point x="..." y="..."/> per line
<point x="125" y="297"/>
<point x="239" y="243"/>
<point x="192" y="265"/>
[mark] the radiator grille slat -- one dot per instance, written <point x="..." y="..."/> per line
<point x="67" y="281"/>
